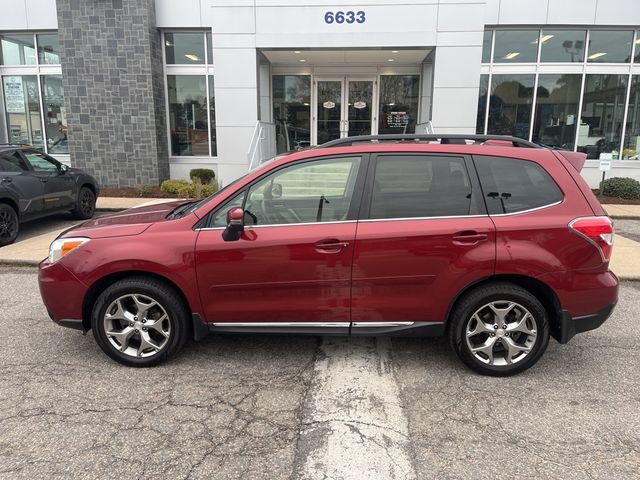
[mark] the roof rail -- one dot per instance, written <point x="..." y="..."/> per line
<point x="460" y="139"/>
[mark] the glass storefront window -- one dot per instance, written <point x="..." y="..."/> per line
<point x="482" y="103"/>
<point x="636" y="58"/>
<point x="55" y="122"/>
<point x="17" y="49"/>
<point x="510" y="105"/>
<point x="609" y="46"/>
<point x="562" y="46"/>
<point x="557" y="110"/>
<point x="399" y="97"/>
<point x="486" y="46"/>
<point x="212" y="117"/>
<point x="515" y="46"/>
<point x="22" y="105"/>
<point x="210" y="48"/>
<point x="188" y="115"/>
<point x="292" y="111"/>
<point x="48" y="49"/>
<point x="184" y="47"/>
<point x="602" y="114"/>
<point x="631" y="147"/>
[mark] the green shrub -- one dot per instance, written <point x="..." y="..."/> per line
<point x="173" y="186"/>
<point x="206" y="175"/>
<point x="620" y="187"/>
<point x="185" y="189"/>
<point x="144" y="190"/>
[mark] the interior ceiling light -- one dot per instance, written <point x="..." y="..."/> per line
<point x="297" y="51"/>
<point x="596" y="55"/>
<point x="168" y="43"/>
<point x="391" y="60"/>
<point x="511" y="55"/>
<point x="395" y="51"/>
<point x="191" y="56"/>
<point x="543" y="39"/>
<point x="302" y="60"/>
<point x="637" y="42"/>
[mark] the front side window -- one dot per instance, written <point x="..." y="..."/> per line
<point x="40" y="163"/>
<point x="410" y="186"/>
<point x="316" y="191"/>
<point x="513" y="185"/>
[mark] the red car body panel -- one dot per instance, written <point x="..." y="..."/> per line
<point x="388" y="270"/>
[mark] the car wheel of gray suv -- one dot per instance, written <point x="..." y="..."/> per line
<point x="140" y="321"/>
<point x="499" y="329"/>
<point x="9" y="225"/>
<point x="85" y="204"/>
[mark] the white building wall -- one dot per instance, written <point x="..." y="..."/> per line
<point x="28" y="15"/>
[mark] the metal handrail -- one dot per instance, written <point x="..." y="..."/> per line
<point x="443" y="138"/>
<point x="254" y="145"/>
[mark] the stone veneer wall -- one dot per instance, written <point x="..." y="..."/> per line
<point x="114" y="90"/>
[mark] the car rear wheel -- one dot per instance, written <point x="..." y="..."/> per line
<point x="9" y="225"/>
<point x="499" y="329"/>
<point x="140" y="321"/>
<point x="85" y="204"/>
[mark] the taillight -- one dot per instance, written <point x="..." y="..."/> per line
<point x="597" y="230"/>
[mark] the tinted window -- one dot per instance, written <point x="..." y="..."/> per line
<point x="515" y="46"/>
<point x="409" y="186"/>
<point x="609" y="46"/>
<point x="562" y="46"/>
<point x="40" y="162"/>
<point x="12" y="163"/>
<point x="317" y="191"/>
<point x="511" y="185"/>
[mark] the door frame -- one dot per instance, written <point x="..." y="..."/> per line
<point x="344" y="111"/>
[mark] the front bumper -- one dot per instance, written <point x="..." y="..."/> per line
<point x="62" y="293"/>
<point x="569" y="325"/>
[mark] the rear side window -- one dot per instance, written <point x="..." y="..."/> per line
<point x="512" y="185"/>
<point x="409" y="186"/>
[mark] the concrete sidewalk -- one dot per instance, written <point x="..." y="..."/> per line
<point x="625" y="261"/>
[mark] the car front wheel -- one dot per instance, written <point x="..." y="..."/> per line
<point x="9" y="225"/>
<point x="499" y="329"/>
<point x="140" y="321"/>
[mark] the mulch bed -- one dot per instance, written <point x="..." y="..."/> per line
<point x="135" y="192"/>
<point x="615" y="200"/>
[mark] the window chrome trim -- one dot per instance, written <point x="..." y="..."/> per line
<point x="421" y="218"/>
<point x="282" y="324"/>
<point x="526" y="211"/>
<point x="382" y="324"/>
<point x="249" y="227"/>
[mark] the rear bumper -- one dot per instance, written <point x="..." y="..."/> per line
<point x="569" y="325"/>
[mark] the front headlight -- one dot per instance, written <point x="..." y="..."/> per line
<point x="62" y="246"/>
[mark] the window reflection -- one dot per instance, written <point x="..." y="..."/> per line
<point x="48" y="49"/>
<point x="515" y="46"/>
<point x="631" y="150"/>
<point x="184" y="47"/>
<point x="510" y="105"/>
<point x="399" y="95"/>
<point x="562" y="45"/>
<point x="291" y="111"/>
<point x="609" y="46"/>
<point x="188" y="115"/>
<point x="556" y="110"/>
<point x="17" y="50"/>
<point x="602" y="114"/>
<point x="22" y="105"/>
<point x="55" y="121"/>
<point x="486" y="46"/>
<point x="482" y="103"/>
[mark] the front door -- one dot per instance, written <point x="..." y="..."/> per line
<point x="344" y="107"/>
<point x="292" y="263"/>
<point x="59" y="186"/>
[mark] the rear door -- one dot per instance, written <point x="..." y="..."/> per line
<point x="292" y="264"/>
<point x="423" y="235"/>
<point x="59" y="187"/>
<point x="18" y="182"/>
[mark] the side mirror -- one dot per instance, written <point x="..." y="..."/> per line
<point x="62" y="169"/>
<point x="235" y="225"/>
<point x="276" y="190"/>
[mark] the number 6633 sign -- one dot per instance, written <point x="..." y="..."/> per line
<point x="345" y="17"/>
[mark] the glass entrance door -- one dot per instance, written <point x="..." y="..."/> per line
<point x="344" y="107"/>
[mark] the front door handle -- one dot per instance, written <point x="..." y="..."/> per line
<point x="7" y="179"/>
<point x="331" y="245"/>
<point x="44" y="180"/>
<point x="469" y="237"/>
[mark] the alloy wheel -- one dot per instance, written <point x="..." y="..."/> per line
<point x="8" y="226"/>
<point x="501" y="333"/>
<point x="137" y="325"/>
<point x="87" y="204"/>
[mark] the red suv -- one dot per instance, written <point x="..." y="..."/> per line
<point x="495" y="242"/>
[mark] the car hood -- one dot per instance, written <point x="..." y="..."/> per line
<point x="128" y="222"/>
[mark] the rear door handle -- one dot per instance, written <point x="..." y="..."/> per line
<point x="469" y="237"/>
<point x="331" y="245"/>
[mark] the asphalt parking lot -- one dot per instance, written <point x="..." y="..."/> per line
<point x="305" y="407"/>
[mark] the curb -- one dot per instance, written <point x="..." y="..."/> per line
<point x="625" y="217"/>
<point x="8" y="262"/>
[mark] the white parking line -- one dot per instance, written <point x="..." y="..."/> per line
<point x="354" y="426"/>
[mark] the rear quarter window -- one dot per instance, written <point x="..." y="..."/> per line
<point x="513" y="185"/>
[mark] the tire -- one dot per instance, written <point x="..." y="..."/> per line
<point x="162" y="338"/>
<point x="85" y="204"/>
<point x="9" y="225"/>
<point x="477" y="337"/>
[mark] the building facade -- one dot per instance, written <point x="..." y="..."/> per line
<point x="137" y="91"/>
